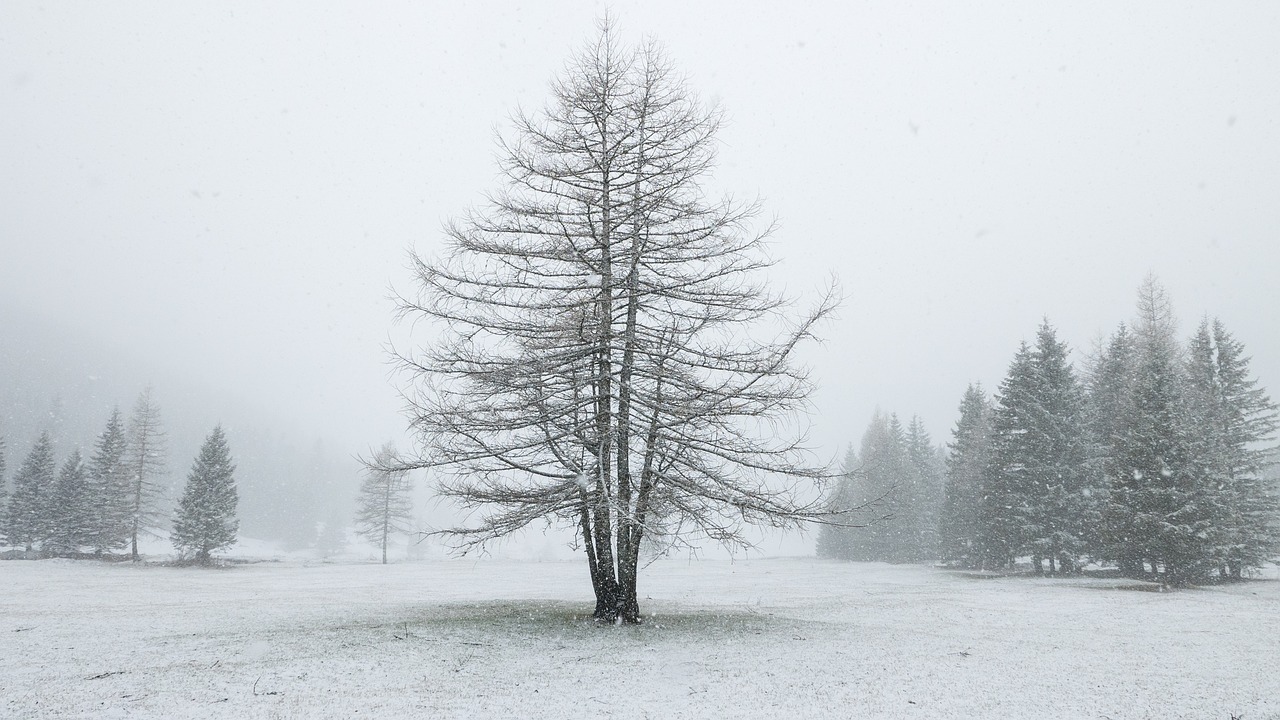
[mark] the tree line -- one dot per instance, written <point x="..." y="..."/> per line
<point x="1151" y="460"/>
<point x="99" y="506"/>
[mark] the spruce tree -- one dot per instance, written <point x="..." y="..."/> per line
<point x="1110" y="388"/>
<point x="1058" y="487"/>
<point x="1110" y="384"/>
<point x="834" y="539"/>
<point x="206" y="520"/>
<point x="384" y="507"/>
<point x="887" y="484"/>
<point x="926" y="495"/>
<point x="1160" y="506"/>
<point x="968" y="457"/>
<point x="29" y="521"/>
<point x="1002" y="533"/>
<point x="1038" y="489"/>
<point x="145" y="461"/>
<point x="1202" y="425"/>
<point x="109" y="487"/>
<point x="1250" y="420"/>
<point x="72" y="507"/>
<point x="1231" y="421"/>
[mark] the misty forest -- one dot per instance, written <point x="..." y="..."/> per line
<point x="568" y="419"/>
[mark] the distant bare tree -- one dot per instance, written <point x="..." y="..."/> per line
<point x="596" y="364"/>
<point x="145" y="462"/>
<point x="385" y="506"/>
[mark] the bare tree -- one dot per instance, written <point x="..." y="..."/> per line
<point x="597" y="364"/>
<point x="385" y="506"/>
<point x="145" y="459"/>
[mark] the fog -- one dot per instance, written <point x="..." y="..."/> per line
<point x="219" y="199"/>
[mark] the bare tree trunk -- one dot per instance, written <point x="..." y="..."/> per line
<point x="137" y="497"/>
<point x="607" y="596"/>
<point x="386" y="522"/>
<point x="593" y="566"/>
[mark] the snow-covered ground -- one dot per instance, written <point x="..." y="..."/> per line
<point x="777" y="638"/>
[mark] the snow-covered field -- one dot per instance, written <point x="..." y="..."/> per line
<point x="779" y="638"/>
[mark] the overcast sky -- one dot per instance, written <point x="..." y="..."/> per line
<point x="228" y="191"/>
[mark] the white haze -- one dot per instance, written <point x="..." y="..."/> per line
<point x="223" y="194"/>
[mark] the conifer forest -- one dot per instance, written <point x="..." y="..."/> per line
<point x="1154" y="458"/>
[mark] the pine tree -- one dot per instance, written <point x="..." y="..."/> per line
<point x="967" y="460"/>
<point x="109" y="487"/>
<point x="72" y="509"/>
<point x="384" y="507"/>
<point x="29" y="506"/>
<point x="206" y="519"/>
<point x="145" y="460"/>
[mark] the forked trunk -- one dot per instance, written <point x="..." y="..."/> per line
<point x="604" y="581"/>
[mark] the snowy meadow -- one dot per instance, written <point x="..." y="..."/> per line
<point x="787" y="637"/>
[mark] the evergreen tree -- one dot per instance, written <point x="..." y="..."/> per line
<point x="1160" y="507"/>
<point x="835" y="540"/>
<point x="72" y="509"/>
<point x="1109" y="392"/>
<point x="969" y="456"/>
<point x="887" y="482"/>
<point x="1062" y="482"/>
<point x="206" y="519"/>
<point x="926" y="495"/>
<point x="1001" y="532"/>
<point x="1249" y="423"/>
<point x="1231" y="420"/>
<point x="145" y="462"/>
<point x="29" y="506"/>
<point x="885" y="475"/>
<point x="384" y="507"/>
<point x="1205" y="458"/>
<point x="1110" y="384"/>
<point x="109" y="487"/>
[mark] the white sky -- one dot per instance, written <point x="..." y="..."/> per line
<point x="227" y="191"/>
